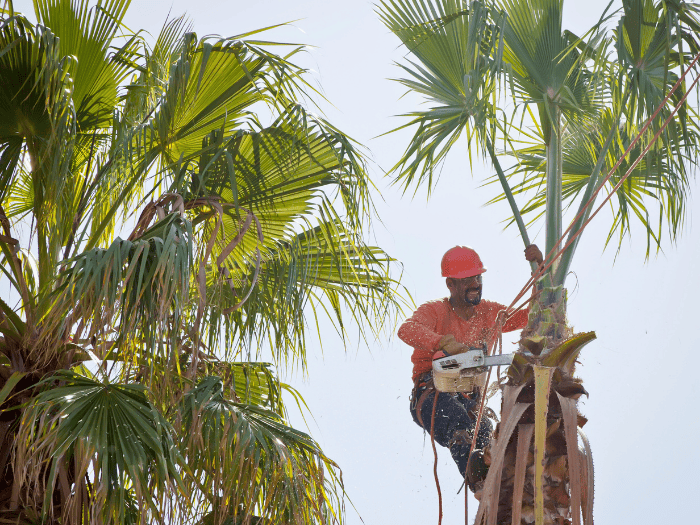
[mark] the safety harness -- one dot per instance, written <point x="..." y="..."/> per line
<point x="423" y="386"/>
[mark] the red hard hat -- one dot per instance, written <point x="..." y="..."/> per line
<point x="460" y="262"/>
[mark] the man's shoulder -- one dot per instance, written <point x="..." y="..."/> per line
<point x="487" y="306"/>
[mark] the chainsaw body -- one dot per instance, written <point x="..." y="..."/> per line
<point x="472" y="362"/>
<point x="466" y="371"/>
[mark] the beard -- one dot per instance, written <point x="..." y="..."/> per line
<point x="474" y="301"/>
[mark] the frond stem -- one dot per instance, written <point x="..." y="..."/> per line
<point x="568" y="254"/>
<point x="553" y="210"/>
<point x="509" y="195"/>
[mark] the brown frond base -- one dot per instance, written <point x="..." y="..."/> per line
<point x="541" y="378"/>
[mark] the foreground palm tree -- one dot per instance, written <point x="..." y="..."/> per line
<point x="586" y="98"/>
<point x="130" y="388"/>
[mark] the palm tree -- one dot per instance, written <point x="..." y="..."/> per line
<point x="133" y="344"/>
<point x="484" y="66"/>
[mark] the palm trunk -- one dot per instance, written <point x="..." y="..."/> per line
<point x="547" y="320"/>
<point x="537" y="473"/>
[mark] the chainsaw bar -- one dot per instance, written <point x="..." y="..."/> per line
<point x="474" y="358"/>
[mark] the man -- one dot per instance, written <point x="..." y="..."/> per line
<point x="447" y="327"/>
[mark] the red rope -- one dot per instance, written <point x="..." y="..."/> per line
<point x="435" y="465"/>
<point x="498" y="329"/>
<point x="466" y="495"/>
<point x="535" y="294"/>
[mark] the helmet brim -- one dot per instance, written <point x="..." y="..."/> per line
<point x="465" y="274"/>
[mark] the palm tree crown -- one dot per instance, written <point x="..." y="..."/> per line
<point x="132" y="383"/>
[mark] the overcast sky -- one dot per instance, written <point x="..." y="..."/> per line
<point x="641" y="372"/>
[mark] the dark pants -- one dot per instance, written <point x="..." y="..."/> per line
<point x="455" y="418"/>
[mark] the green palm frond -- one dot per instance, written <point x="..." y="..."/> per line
<point x="662" y="176"/>
<point x="145" y="90"/>
<point x="246" y="382"/>
<point x="251" y="383"/>
<point x="244" y="461"/>
<point x="650" y="53"/>
<point x="37" y="117"/>
<point x="457" y="46"/>
<point x="650" y="47"/>
<point x="133" y="287"/>
<point x="320" y="268"/>
<point x="29" y="59"/>
<point x="642" y="50"/>
<point x="100" y="444"/>
<point x="212" y="86"/>
<point x="277" y="173"/>
<point x="545" y="66"/>
<point x="87" y="33"/>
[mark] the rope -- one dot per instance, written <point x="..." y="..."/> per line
<point x="535" y="294"/>
<point x="466" y="495"/>
<point x="496" y="336"/>
<point x="435" y="464"/>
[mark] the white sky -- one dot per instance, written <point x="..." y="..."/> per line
<point x="643" y="414"/>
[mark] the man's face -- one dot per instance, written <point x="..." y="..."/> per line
<point x="467" y="289"/>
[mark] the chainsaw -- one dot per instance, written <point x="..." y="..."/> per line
<point x="463" y="372"/>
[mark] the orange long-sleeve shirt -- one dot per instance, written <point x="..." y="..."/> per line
<point x="424" y="329"/>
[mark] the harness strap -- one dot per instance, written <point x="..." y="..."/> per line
<point x="423" y="381"/>
<point x="421" y="400"/>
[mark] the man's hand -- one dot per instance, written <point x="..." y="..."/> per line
<point x="533" y="254"/>
<point x="449" y="344"/>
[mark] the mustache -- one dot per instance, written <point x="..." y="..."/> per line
<point x="478" y="298"/>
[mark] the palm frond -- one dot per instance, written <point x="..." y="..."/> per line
<point x="36" y="111"/>
<point x="320" y="268"/>
<point x="544" y="67"/>
<point x="655" y="194"/>
<point x="244" y="461"/>
<point x="457" y="46"/>
<point x="100" y="444"/>
<point x="137" y="288"/>
<point x="87" y="33"/>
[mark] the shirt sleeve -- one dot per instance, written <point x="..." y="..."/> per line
<point x="419" y="330"/>
<point x="518" y="321"/>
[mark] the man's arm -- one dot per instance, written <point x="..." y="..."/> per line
<point x="518" y="321"/>
<point x="419" y="330"/>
